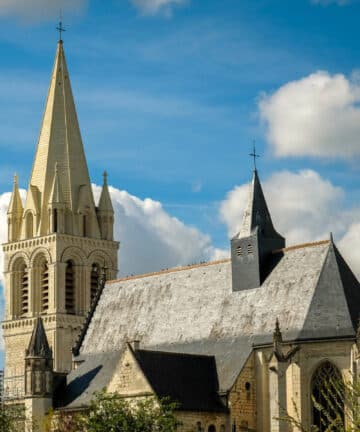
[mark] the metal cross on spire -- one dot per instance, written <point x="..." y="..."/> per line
<point x="254" y="155"/>
<point x="60" y="27"/>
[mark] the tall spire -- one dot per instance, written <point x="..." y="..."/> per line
<point x="60" y="142"/>
<point x="256" y="214"/>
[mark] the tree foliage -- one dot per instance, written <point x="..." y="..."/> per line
<point x="337" y="406"/>
<point x="11" y="417"/>
<point x="112" y="413"/>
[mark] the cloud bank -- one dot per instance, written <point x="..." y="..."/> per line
<point x="318" y="115"/>
<point x="304" y="207"/>
<point x="39" y="9"/>
<point x="153" y="7"/>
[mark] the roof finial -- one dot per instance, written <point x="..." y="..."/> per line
<point x="254" y="155"/>
<point x="105" y="176"/>
<point x="16" y="178"/>
<point x="60" y="27"/>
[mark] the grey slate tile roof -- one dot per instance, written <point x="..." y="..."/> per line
<point x="193" y="310"/>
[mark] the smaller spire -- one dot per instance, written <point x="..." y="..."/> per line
<point x="105" y="204"/>
<point x="39" y="345"/>
<point x="15" y="205"/>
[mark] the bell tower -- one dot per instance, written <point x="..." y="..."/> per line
<point x="58" y="241"/>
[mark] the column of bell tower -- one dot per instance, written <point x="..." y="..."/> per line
<point x="58" y="241"/>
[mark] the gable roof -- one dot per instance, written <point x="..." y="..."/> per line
<point x="190" y="380"/>
<point x="193" y="310"/>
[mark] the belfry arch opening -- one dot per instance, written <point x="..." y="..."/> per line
<point x="44" y="277"/>
<point x="70" y="287"/>
<point x="327" y="396"/>
<point x="94" y="280"/>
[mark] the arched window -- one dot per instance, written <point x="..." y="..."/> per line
<point x="24" y="280"/>
<point x="29" y="223"/>
<point x="211" y="428"/>
<point x="44" y="278"/>
<point x="327" y="389"/>
<point x="94" y="280"/>
<point x="70" y="287"/>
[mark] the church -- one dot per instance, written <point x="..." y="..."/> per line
<point x="237" y="342"/>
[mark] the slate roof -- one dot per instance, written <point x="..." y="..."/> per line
<point x="193" y="310"/>
<point x="190" y="380"/>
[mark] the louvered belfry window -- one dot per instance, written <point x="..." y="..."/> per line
<point x="94" y="280"/>
<point x="24" y="290"/>
<point x="44" y="287"/>
<point x="70" y="287"/>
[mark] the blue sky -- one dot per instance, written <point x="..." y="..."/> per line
<point x="168" y="98"/>
<point x="170" y="95"/>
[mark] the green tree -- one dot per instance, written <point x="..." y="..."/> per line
<point x="109" y="412"/>
<point x="337" y="405"/>
<point x="11" y="418"/>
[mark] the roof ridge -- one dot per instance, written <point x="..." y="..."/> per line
<point x="172" y="270"/>
<point x="174" y="353"/>
<point x="302" y="246"/>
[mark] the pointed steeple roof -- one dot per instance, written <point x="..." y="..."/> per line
<point x="60" y="142"/>
<point x="15" y="205"/>
<point x="105" y="203"/>
<point x="56" y="196"/>
<point x="39" y="346"/>
<point x="256" y="214"/>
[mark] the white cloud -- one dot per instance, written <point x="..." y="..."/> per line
<point x="39" y="9"/>
<point x="153" y="7"/>
<point x="304" y="207"/>
<point x="318" y="115"/>
<point x="151" y="239"/>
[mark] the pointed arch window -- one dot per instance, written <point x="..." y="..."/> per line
<point x="327" y="389"/>
<point x="24" y="280"/>
<point x="70" y="287"/>
<point x="44" y="280"/>
<point x="94" y="280"/>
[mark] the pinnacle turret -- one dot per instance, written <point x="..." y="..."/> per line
<point x="39" y="345"/>
<point x="15" y="205"/>
<point x="15" y="212"/>
<point x="105" y="212"/>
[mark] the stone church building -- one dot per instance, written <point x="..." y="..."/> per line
<point x="235" y="342"/>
